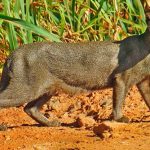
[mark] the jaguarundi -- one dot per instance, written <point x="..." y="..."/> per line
<point x="35" y="72"/>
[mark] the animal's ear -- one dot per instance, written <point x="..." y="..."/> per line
<point x="148" y="19"/>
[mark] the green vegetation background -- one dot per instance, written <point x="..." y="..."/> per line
<point x="27" y="21"/>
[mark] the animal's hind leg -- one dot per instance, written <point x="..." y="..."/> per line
<point x="144" y="88"/>
<point x="15" y="95"/>
<point x="32" y="109"/>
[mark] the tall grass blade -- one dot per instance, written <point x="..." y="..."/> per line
<point x="12" y="38"/>
<point x="31" y="27"/>
<point x="29" y="33"/>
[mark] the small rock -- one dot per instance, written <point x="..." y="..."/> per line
<point x="106" y="102"/>
<point x="40" y="147"/>
<point x="3" y="127"/>
<point x="102" y="131"/>
<point x="65" y="115"/>
<point x="54" y="104"/>
<point x="7" y="138"/>
<point x="84" y="121"/>
<point x="75" y="107"/>
<point x="78" y="105"/>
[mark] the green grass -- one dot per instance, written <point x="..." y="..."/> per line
<point x="23" y="22"/>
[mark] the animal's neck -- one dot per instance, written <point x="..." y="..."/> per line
<point x="146" y="36"/>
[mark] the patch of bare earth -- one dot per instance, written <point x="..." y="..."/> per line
<point x="86" y="125"/>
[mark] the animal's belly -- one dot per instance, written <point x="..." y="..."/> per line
<point x="86" y="79"/>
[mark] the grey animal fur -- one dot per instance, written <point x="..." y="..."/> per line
<point x="35" y="72"/>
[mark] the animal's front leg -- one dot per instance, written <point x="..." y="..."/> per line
<point x="144" y="88"/>
<point x="119" y="93"/>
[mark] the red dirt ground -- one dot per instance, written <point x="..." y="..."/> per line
<point x="87" y="125"/>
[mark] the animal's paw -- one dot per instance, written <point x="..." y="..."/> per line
<point x="54" y="123"/>
<point x="123" y="119"/>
